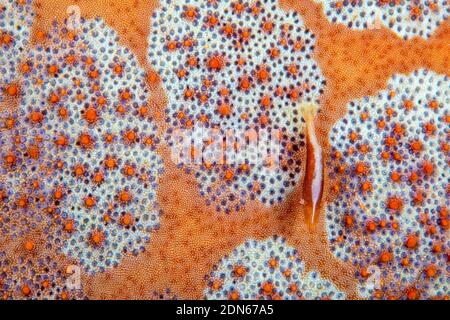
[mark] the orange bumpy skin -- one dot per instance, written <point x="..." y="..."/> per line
<point x="392" y="212"/>
<point x="192" y="239"/>
<point x="83" y="131"/>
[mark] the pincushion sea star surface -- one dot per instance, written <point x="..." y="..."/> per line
<point x="282" y="102"/>
<point x="16" y="18"/>
<point x="241" y="66"/>
<point x="406" y="18"/>
<point x="393" y="208"/>
<point x="267" y="270"/>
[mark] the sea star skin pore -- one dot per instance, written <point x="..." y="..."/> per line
<point x="16" y="18"/>
<point x="84" y="111"/>
<point x="268" y="269"/>
<point x="392" y="211"/>
<point x="241" y="66"/>
<point x="407" y="19"/>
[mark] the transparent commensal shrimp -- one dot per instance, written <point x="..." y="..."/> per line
<point x="313" y="180"/>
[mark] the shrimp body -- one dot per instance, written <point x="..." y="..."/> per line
<point x="313" y="180"/>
